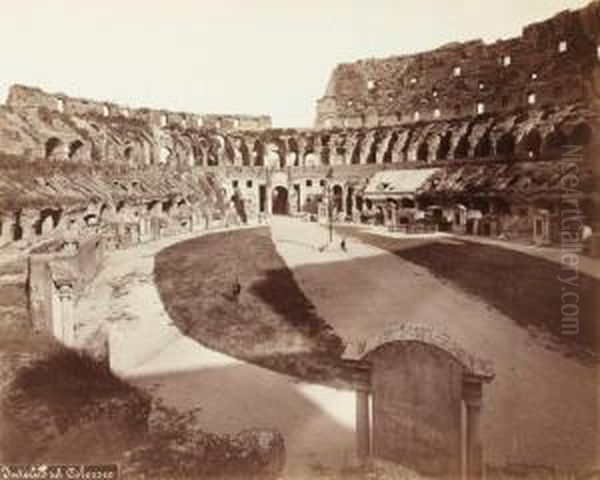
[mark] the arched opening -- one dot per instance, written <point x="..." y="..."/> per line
<point x="359" y="202"/>
<point x="506" y="145"/>
<point x="128" y="153"/>
<point x="355" y="157"/>
<point x="338" y="198"/>
<point x="90" y="219"/>
<point x="325" y="156"/>
<point x="74" y="147"/>
<point x="423" y="152"/>
<point x="216" y="150"/>
<point x="259" y="153"/>
<point x="554" y="141"/>
<point x="349" y="200"/>
<point x="372" y="153"/>
<point x="581" y="135"/>
<point x="463" y="147"/>
<point x="151" y="206"/>
<point x="280" y="201"/>
<point x="17" y="229"/>
<point x="281" y="157"/>
<point x="212" y="160"/>
<point x="229" y="152"/>
<point x="49" y="218"/>
<point x="293" y="148"/>
<point x="167" y="205"/>
<point x="246" y="161"/>
<point x="444" y="147"/>
<point x="164" y="155"/>
<point x="198" y="156"/>
<point x="531" y="143"/>
<point x="52" y="145"/>
<point x="484" y="146"/>
<point x="387" y="156"/>
<point x="407" y="203"/>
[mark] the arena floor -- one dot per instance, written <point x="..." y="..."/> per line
<point x="542" y="404"/>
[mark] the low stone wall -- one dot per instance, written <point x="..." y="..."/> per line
<point x="55" y="281"/>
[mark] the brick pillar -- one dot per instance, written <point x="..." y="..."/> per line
<point x="363" y="425"/>
<point x="472" y="395"/>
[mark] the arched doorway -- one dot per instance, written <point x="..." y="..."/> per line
<point x="338" y="198"/>
<point x="349" y="201"/>
<point x="280" y="201"/>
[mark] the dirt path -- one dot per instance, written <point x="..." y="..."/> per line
<point x="316" y="422"/>
<point x="542" y="407"/>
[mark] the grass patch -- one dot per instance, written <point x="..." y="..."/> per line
<point x="270" y="323"/>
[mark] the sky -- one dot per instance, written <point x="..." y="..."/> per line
<point x="232" y="56"/>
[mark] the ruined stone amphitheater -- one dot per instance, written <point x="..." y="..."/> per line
<point x="469" y="139"/>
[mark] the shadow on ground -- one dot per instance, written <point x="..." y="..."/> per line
<point x="268" y="321"/>
<point x="523" y="287"/>
<point x="273" y="324"/>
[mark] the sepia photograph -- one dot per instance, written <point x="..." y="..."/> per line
<point x="300" y="239"/>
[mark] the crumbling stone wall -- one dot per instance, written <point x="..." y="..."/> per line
<point x="22" y="97"/>
<point x="553" y="62"/>
<point x="57" y="266"/>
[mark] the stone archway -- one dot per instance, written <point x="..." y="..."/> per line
<point x="338" y="198"/>
<point x="280" y="198"/>
<point x="418" y="382"/>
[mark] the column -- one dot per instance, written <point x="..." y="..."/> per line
<point x="363" y="425"/>
<point x="67" y="321"/>
<point x="27" y="219"/>
<point x="6" y="225"/>
<point x="472" y="395"/>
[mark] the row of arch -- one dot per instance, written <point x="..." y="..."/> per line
<point x="427" y="143"/>
<point x="49" y="219"/>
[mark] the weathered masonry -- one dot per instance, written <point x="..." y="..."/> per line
<point x="553" y="62"/>
<point x="410" y="405"/>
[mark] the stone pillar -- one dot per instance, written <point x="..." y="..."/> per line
<point x="472" y="395"/>
<point x="28" y="219"/>
<point x="6" y="226"/>
<point x="67" y="320"/>
<point x="363" y="425"/>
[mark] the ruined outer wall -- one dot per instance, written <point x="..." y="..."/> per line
<point x="24" y="98"/>
<point x="553" y="62"/>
